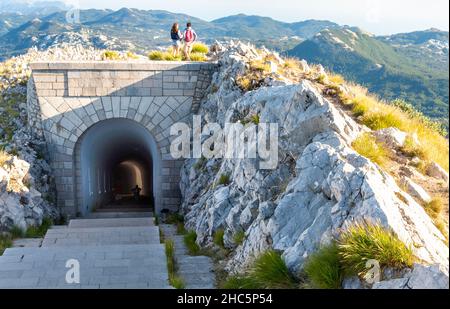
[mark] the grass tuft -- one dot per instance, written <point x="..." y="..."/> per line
<point x="110" y="55"/>
<point x="6" y="241"/>
<point x="4" y="157"/>
<point x="323" y="268"/>
<point x="380" y="115"/>
<point x="224" y="179"/>
<point x="361" y="243"/>
<point x="239" y="237"/>
<point x="39" y="231"/>
<point x="218" y="238"/>
<point x="367" y="146"/>
<point x="269" y="271"/>
<point x="190" y="240"/>
<point x="199" y="57"/>
<point x="174" y="280"/>
<point x="200" y="48"/>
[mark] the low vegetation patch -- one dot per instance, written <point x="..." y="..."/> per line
<point x="434" y="209"/>
<point x="269" y="271"/>
<point x="190" y="240"/>
<point x="6" y="241"/>
<point x="174" y="280"/>
<point x="367" y="146"/>
<point x="200" y="48"/>
<point x="198" y="53"/>
<point x="224" y="180"/>
<point x="239" y="237"/>
<point x="218" y="238"/>
<point x="348" y="256"/>
<point x="376" y="114"/>
<point x="4" y="157"/>
<point x="111" y="55"/>
<point x="361" y="243"/>
<point x="39" y="231"/>
<point x="324" y="269"/>
<point x="7" y="238"/>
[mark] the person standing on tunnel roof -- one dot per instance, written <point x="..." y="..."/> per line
<point x="190" y="37"/>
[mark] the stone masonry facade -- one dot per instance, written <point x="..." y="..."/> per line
<point x="66" y="99"/>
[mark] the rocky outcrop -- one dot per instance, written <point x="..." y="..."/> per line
<point x="421" y="277"/>
<point x="21" y="205"/>
<point x="319" y="187"/>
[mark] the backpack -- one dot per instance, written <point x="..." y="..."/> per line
<point x="174" y="35"/>
<point x="189" y="35"/>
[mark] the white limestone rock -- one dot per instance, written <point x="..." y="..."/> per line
<point x="415" y="190"/>
<point x="319" y="187"/>
<point x="436" y="171"/>
<point x="421" y="277"/>
<point x="392" y="137"/>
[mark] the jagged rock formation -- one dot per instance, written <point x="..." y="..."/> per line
<point x="319" y="188"/>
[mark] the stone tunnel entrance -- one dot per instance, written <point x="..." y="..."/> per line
<point x="107" y="128"/>
<point x="113" y="157"/>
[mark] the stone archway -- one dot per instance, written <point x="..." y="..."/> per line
<point x="111" y="157"/>
<point x="66" y="99"/>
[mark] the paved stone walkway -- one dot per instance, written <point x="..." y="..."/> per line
<point x="197" y="271"/>
<point x="114" y="251"/>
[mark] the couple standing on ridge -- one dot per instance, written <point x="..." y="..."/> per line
<point x="188" y="36"/>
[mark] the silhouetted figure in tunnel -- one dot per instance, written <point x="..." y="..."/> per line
<point x="136" y="192"/>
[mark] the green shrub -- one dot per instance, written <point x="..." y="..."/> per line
<point x="218" y="238"/>
<point x="224" y="179"/>
<point x="156" y="55"/>
<point x="197" y="57"/>
<point x="39" y="231"/>
<point x="200" y="48"/>
<point x="110" y="55"/>
<point x="378" y="121"/>
<point x="240" y="283"/>
<point x="239" y="237"/>
<point x="269" y="271"/>
<point x="367" y="146"/>
<point x="177" y="282"/>
<point x="5" y="242"/>
<point x="372" y="242"/>
<point x="174" y="218"/>
<point x="174" y="280"/>
<point x="255" y="119"/>
<point x="170" y="255"/>
<point x="323" y="268"/>
<point x="181" y="229"/>
<point x="16" y="232"/>
<point x="190" y="241"/>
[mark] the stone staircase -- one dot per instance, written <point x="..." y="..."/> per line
<point x="114" y="250"/>
<point x="197" y="272"/>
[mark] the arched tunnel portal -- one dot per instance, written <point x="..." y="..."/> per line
<point x="114" y="156"/>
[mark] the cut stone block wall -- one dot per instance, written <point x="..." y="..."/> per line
<point x="66" y="99"/>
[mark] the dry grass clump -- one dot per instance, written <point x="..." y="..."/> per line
<point x="376" y="114"/>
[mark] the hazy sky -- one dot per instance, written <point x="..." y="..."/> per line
<point x="377" y="16"/>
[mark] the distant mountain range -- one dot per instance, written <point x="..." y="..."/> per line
<point x="412" y="66"/>
<point x="409" y="66"/>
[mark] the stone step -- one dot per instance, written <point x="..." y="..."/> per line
<point x="101" y="236"/>
<point x="119" y="266"/>
<point x="119" y="214"/>
<point x="113" y="222"/>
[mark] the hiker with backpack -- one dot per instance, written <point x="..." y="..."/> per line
<point x="189" y="37"/>
<point x="177" y="37"/>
